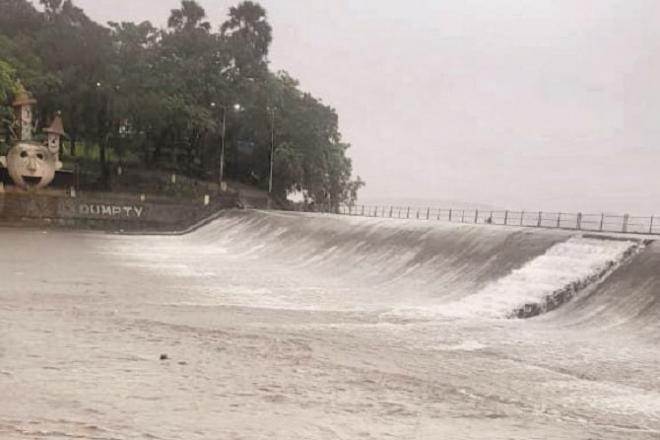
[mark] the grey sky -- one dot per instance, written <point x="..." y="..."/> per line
<point x="549" y="104"/>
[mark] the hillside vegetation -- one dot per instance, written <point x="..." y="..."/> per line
<point x="158" y="97"/>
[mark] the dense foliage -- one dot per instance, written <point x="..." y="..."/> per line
<point x="159" y="96"/>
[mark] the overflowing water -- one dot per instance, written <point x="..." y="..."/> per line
<point x="575" y="264"/>
<point x="319" y="327"/>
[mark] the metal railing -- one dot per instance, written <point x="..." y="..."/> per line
<point x="626" y="224"/>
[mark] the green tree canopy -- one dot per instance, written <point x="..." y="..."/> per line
<point x="7" y="88"/>
<point x="161" y="95"/>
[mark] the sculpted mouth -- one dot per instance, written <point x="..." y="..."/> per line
<point x="32" y="180"/>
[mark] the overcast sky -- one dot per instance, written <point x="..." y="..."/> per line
<point x="551" y="104"/>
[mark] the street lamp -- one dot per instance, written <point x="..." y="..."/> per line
<point x="104" y="140"/>
<point x="272" y="149"/>
<point x="237" y="108"/>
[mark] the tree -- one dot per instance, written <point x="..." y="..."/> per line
<point x="52" y="7"/>
<point x="7" y="83"/>
<point x="7" y="88"/>
<point x="309" y="153"/>
<point x="189" y="17"/>
<point x="19" y="17"/>
<point x="190" y="60"/>
<point x="162" y="94"/>
<point x="248" y="35"/>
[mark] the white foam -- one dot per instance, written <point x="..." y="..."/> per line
<point x="572" y="261"/>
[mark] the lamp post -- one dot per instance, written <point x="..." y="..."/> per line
<point x="104" y="134"/>
<point x="272" y="149"/>
<point x="236" y="107"/>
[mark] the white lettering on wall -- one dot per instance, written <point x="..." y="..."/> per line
<point x="112" y="211"/>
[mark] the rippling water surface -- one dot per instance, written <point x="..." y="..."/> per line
<point x="285" y="326"/>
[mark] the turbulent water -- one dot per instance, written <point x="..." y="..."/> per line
<point x="320" y="327"/>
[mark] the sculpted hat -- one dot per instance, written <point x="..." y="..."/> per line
<point x="56" y="127"/>
<point x="22" y="97"/>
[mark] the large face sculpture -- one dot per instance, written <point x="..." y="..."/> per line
<point x="31" y="166"/>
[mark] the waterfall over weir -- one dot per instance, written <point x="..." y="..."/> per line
<point x="550" y="280"/>
<point x="415" y="269"/>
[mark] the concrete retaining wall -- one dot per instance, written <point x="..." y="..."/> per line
<point x="108" y="213"/>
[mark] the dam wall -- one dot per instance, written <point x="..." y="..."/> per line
<point x="451" y="270"/>
<point x="442" y="261"/>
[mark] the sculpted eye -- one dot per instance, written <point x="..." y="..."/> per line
<point x="40" y="156"/>
<point x="24" y="154"/>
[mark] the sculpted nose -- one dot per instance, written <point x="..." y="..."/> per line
<point x="32" y="164"/>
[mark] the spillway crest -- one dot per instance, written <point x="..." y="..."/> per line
<point x="422" y="269"/>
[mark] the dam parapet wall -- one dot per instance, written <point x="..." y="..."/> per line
<point x="108" y="211"/>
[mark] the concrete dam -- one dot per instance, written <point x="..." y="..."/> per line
<point x="287" y="325"/>
<point x="453" y="270"/>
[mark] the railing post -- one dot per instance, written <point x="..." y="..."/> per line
<point x="559" y="220"/>
<point x="463" y="216"/>
<point x="651" y="225"/>
<point x="626" y="219"/>
<point x="391" y="211"/>
<point x="451" y="211"/>
<point x="428" y="213"/>
<point x="540" y="222"/>
<point x="522" y="218"/>
<point x="476" y="216"/>
<point x="506" y="217"/>
<point x="602" y="222"/>
<point x="579" y="221"/>
<point x="362" y="214"/>
<point x="408" y="213"/>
